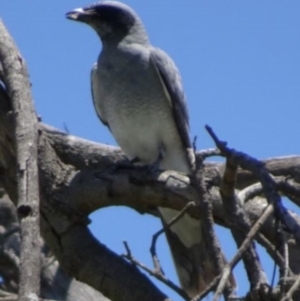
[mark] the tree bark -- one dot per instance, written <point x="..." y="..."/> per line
<point x="25" y="122"/>
<point x="55" y="283"/>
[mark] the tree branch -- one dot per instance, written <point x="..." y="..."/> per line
<point x="236" y="215"/>
<point x="18" y="87"/>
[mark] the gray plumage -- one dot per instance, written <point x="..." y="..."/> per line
<point x="137" y="92"/>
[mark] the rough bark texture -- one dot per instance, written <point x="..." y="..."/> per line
<point x="55" y="283"/>
<point x="77" y="177"/>
<point x="26" y="124"/>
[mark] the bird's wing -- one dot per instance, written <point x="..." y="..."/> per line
<point x="95" y="94"/>
<point x="172" y="84"/>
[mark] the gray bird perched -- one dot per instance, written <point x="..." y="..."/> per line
<point x="137" y="92"/>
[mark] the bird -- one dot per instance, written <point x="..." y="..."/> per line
<point x="138" y="94"/>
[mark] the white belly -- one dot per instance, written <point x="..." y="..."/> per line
<point x="139" y="134"/>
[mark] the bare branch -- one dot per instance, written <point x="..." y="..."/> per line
<point x="157" y="274"/>
<point x="288" y="296"/>
<point x="206" y="153"/>
<point x="273" y="252"/>
<point x="284" y="273"/>
<point x="242" y="249"/>
<point x="212" y="243"/>
<point x="236" y="216"/>
<point x="270" y="191"/>
<point x="250" y="192"/>
<point x="153" y="252"/>
<point x="26" y="137"/>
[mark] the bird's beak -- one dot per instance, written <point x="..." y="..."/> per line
<point x="80" y="14"/>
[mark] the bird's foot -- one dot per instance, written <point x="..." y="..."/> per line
<point x="126" y="164"/>
<point x="147" y="168"/>
<point x="135" y="164"/>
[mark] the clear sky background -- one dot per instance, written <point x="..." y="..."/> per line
<point x="240" y="64"/>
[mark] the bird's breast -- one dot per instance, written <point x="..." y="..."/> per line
<point x="133" y="102"/>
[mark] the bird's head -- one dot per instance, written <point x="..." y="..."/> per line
<point x="112" y="20"/>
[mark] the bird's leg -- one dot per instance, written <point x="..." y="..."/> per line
<point x="156" y="164"/>
<point x="153" y="166"/>
<point x="135" y="160"/>
<point x="128" y="164"/>
<point x="138" y="164"/>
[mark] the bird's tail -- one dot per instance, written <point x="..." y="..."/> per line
<point x="194" y="265"/>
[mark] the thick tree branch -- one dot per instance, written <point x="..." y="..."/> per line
<point x="55" y="284"/>
<point x="18" y="87"/>
<point x="82" y="153"/>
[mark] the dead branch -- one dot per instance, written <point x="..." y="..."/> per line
<point x="269" y="185"/>
<point x="26" y="136"/>
<point x="236" y="215"/>
<point x="241" y="250"/>
<point x="156" y="262"/>
<point x="155" y="273"/>
<point x="288" y="296"/>
<point x="208" y="233"/>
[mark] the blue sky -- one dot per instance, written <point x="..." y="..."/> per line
<point x="239" y="61"/>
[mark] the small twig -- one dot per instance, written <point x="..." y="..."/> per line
<point x="269" y="185"/>
<point x="254" y="230"/>
<point x="284" y="273"/>
<point x="65" y="126"/>
<point x="236" y="216"/>
<point x="212" y="241"/>
<point x="210" y="152"/>
<point x="286" y="257"/>
<point x="289" y="188"/>
<point x="272" y="251"/>
<point x="209" y="236"/>
<point x="222" y="283"/>
<point x="250" y="192"/>
<point x="288" y="296"/>
<point x="154" y="273"/>
<point x="212" y="286"/>
<point x="128" y="255"/>
<point x="167" y="225"/>
<point x="195" y="143"/>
